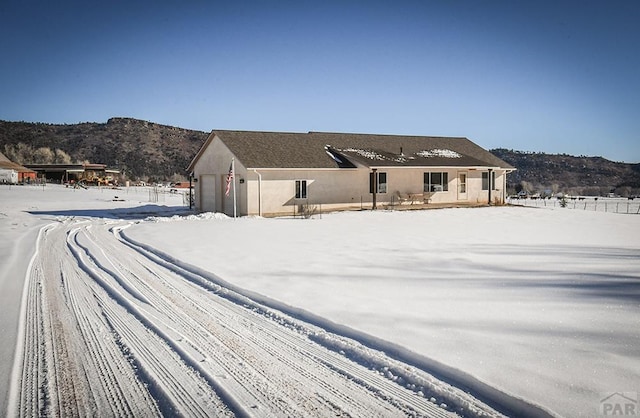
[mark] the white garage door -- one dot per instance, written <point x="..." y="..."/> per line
<point x="207" y="192"/>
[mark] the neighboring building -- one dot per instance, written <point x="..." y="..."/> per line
<point x="23" y="174"/>
<point x="8" y="176"/>
<point x="85" y="172"/>
<point x="278" y="173"/>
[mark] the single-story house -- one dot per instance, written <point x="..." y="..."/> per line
<point x="23" y="173"/>
<point x="278" y="173"/>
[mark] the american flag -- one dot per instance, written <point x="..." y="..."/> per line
<point x="229" y="179"/>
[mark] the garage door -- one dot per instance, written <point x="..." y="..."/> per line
<point x="207" y="192"/>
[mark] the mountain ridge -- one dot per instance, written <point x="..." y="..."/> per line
<point x="149" y="151"/>
<point x="581" y="175"/>
<point x="139" y="149"/>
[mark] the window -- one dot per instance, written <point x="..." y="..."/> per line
<point x="301" y="189"/>
<point x="382" y="182"/>
<point x="485" y="180"/>
<point x="436" y="182"/>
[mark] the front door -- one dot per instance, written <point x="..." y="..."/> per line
<point x="462" y="186"/>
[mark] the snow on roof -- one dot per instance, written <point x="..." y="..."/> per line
<point x="444" y="153"/>
<point x="372" y="155"/>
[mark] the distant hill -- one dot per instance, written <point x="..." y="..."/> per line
<point x="141" y="150"/>
<point x="591" y="176"/>
<point x="152" y="152"/>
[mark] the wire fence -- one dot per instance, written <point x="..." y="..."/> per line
<point x="596" y="204"/>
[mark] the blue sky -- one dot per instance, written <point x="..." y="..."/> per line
<point x="549" y="76"/>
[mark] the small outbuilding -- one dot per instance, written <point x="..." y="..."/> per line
<point x="279" y="173"/>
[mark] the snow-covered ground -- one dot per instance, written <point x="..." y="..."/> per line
<point x="19" y="227"/>
<point x="542" y="303"/>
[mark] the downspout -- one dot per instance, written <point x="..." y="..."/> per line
<point x="504" y="187"/>
<point x="190" y="190"/>
<point x="259" y="192"/>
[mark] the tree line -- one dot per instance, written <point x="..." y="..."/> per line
<point x="22" y="153"/>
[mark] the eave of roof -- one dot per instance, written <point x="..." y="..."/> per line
<point x="62" y="167"/>
<point x="8" y="165"/>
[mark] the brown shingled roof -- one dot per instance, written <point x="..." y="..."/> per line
<point x="10" y="165"/>
<point x="309" y="150"/>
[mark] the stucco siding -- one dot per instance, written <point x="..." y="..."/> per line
<point x="478" y="195"/>
<point x="276" y="192"/>
<point x="344" y="188"/>
<point x="210" y="172"/>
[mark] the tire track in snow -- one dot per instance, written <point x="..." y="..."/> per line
<point x="208" y="309"/>
<point x="457" y="392"/>
<point x="239" y="300"/>
<point x="31" y="337"/>
<point x="244" y="376"/>
<point x="105" y="363"/>
<point x="175" y="388"/>
<point x="67" y="370"/>
<point x="132" y="309"/>
<point x="111" y="327"/>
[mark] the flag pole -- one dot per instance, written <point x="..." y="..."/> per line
<point x="233" y="168"/>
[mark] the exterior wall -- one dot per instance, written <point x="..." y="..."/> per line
<point x="477" y="195"/>
<point x="274" y="194"/>
<point x="8" y="176"/>
<point x="403" y="181"/>
<point x="26" y="176"/>
<point x="499" y="195"/>
<point x="210" y="172"/>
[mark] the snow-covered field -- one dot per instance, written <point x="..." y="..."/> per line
<point x="593" y="204"/>
<point x="540" y="303"/>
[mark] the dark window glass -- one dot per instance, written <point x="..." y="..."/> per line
<point x="301" y="189"/>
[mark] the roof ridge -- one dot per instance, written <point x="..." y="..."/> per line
<point x="258" y="132"/>
<point x="339" y="133"/>
<point x="388" y="135"/>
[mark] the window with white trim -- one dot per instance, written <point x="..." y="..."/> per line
<point x="485" y="180"/>
<point x="382" y="182"/>
<point x="436" y="182"/>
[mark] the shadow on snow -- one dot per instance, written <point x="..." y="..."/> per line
<point x="130" y="213"/>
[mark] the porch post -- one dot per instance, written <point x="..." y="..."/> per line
<point x="490" y="185"/>
<point x="375" y="187"/>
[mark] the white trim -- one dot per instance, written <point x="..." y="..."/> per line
<point x="306" y="188"/>
<point x="384" y="167"/>
<point x="300" y="169"/>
